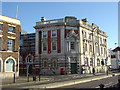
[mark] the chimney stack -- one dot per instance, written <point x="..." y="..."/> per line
<point x="85" y="20"/>
<point x="43" y="19"/>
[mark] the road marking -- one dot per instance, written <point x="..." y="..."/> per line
<point x="108" y="84"/>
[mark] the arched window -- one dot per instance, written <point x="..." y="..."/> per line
<point x="29" y="59"/>
<point x="10" y="65"/>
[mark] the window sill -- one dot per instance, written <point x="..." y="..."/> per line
<point x="9" y="51"/>
<point x="12" y="33"/>
<point x="44" y="37"/>
<point x="9" y="71"/>
<point x="44" y="51"/>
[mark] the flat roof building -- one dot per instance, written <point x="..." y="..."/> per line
<point x="71" y="44"/>
<point x="9" y="46"/>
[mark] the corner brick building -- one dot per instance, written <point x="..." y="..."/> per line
<point x="9" y="46"/>
<point x="27" y="53"/>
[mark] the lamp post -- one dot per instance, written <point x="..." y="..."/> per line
<point x="65" y="64"/>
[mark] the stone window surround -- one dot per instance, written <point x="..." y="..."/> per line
<point x="14" y="62"/>
<point x="11" y="31"/>
<point x="43" y="34"/>
<point x="54" y="32"/>
<point x="52" y="45"/>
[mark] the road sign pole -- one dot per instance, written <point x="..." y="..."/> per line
<point x="27" y="72"/>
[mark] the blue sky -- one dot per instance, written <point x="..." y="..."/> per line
<point x="104" y="14"/>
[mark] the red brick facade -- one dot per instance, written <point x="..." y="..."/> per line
<point x="49" y="42"/>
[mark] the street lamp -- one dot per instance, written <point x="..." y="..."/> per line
<point x="65" y="64"/>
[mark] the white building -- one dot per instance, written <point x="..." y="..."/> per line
<point x="71" y="44"/>
<point x="115" y="58"/>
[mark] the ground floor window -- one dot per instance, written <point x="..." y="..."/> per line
<point x="98" y="62"/>
<point x="10" y="65"/>
<point x="45" y="64"/>
<point x="54" y="64"/>
<point x="91" y="62"/>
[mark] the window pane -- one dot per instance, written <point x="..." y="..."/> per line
<point x="44" y="34"/>
<point x="44" y="46"/>
<point x="85" y="46"/>
<point x="90" y="48"/>
<point x="45" y="64"/>
<point x="54" y="64"/>
<point x="73" y="45"/>
<point x="91" y="62"/>
<point x="0" y="26"/>
<point x="98" y="62"/>
<point x="11" y="29"/>
<point x="53" y="33"/>
<point x="10" y="45"/>
<point x="54" y="46"/>
<point x="10" y="65"/>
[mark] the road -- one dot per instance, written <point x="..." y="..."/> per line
<point x="60" y="78"/>
<point x="93" y="84"/>
<point x="84" y="82"/>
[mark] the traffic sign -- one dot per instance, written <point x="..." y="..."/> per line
<point x="28" y="64"/>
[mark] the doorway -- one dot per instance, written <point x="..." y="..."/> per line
<point x="73" y="68"/>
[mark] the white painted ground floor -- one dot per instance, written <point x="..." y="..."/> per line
<point x="69" y="64"/>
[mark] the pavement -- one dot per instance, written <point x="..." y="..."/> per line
<point x="70" y="82"/>
<point x="23" y="80"/>
<point x="53" y="81"/>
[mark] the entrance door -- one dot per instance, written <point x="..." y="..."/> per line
<point x="73" y="68"/>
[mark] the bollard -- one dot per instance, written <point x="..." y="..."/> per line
<point x="39" y="77"/>
<point x="107" y="72"/>
<point x="14" y="78"/>
<point x="113" y="74"/>
<point x="34" y="78"/>
<point x="101" y="86"/>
